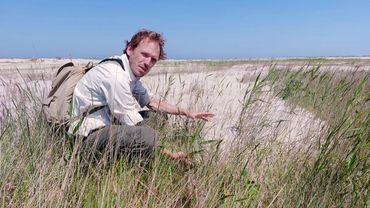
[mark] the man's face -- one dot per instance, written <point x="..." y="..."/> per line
<point x="143" y="57"/>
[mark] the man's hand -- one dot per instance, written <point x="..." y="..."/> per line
<point x="205" y="116"/>
<point x="179" y="156"/>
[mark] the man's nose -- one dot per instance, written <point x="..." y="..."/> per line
<point x="147" y="61"/>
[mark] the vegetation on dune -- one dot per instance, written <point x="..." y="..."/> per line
<point x="39" y="168"/>
<point x="339" y="174"/>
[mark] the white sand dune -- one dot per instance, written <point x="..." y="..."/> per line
<point x="199" y="87"/>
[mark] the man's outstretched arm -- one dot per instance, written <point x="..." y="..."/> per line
<point x="163" y="106"/>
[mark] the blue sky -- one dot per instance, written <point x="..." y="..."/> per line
<point x="192" y="29"/>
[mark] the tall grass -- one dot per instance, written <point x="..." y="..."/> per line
<point x="40" y="168"/>
<point x="339" y="174"/>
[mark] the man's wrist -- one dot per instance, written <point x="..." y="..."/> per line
<point x="183" y="112"/>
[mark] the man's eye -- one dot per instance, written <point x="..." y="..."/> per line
<point x="153" y="60"/>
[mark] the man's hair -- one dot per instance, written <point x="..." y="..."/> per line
<point x="153" y="36"/>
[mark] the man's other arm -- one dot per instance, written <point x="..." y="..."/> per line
<point x="163" y="106"/>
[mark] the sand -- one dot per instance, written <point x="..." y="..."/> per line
<point x="198" y="87"/>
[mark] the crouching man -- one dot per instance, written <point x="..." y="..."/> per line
<point x="105" y="101"/>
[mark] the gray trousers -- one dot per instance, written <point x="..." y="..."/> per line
<point x="117" y="140"/>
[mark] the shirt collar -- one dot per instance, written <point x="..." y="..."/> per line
<point x="126" y="64"/>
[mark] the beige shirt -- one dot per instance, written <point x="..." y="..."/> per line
<point x="107" y="84"/>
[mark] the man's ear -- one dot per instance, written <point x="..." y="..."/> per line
<point x="129" y="50"/>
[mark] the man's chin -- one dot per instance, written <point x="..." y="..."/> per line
<point x="140" y="74"/>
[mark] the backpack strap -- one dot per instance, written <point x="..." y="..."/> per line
<point x="114" y="59"/>
<point x="64" y="66"/>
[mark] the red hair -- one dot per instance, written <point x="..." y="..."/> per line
<point x="153" y="36"/>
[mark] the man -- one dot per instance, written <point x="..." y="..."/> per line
<point x="106" y="101"/>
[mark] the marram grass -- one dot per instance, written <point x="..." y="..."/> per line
<point x="41" y="169"/>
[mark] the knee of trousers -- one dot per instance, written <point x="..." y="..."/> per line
<point x="149" y="139"/>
